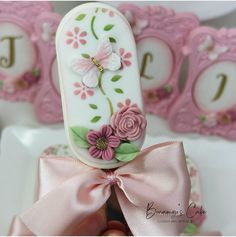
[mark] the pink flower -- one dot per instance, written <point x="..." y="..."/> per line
<point x="224" y="118"/>
<point x="83" y="90"/>
<point x="150" y="96"/>
<point x="110" y="13"/>
<point x="210" y="120"/>
<point x="128" y="123"/>
<point x="125" y="57"/>
<point x="31" y="77"/>
<point x="76" y="37"/>
<point x="103" y="143"/>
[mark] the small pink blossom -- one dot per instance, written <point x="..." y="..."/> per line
<point x="102" y="143"/>
<point x="125" y="57"/>
<point x="75" y="37"/>
<point x="150" y="96"/>
<point x="224" y="118"/>
<point x="83" y="90"/>
<point x="110" y="13"/>
<point x="210" y="120"/>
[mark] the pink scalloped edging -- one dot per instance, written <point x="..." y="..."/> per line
<point x="184" y="115"/>
<point x="47" y="102"/>
<point x="173" y="29"/>
<point x="23" y="14"/>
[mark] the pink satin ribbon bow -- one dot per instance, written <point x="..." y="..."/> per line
<point x="70" y="191"/>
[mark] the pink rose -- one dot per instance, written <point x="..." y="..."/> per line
<point x="128" y="123"/>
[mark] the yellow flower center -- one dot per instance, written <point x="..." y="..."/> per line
<point x="102" y="143"/>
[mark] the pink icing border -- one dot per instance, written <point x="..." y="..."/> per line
<point x="47" y="102"/>
<point x="184" y="115"/>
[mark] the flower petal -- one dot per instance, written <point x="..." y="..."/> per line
<point x="77" y="92"/>
<point x="83" y="34"/>
<point x="127" y="63"/>
<point x="69" y="41"/>
<point x="75" y="45"/>
<point x="92" y="137"/>
<point x="82" y="41"/>
<point x="121" y="51"/>
<point x="90" y="92"/>
<point x="83" y="96"/>
<point x="128" y="55"/>
<point x="113" y="141"/>
<point x="94" y="152"/>
<point x="106" y="131"/>
<point x="69" y="34"/>
<point x="108" y="154"/>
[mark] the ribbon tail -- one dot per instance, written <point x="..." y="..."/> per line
<point x="62" y="210"/>
<point x="141" y="226"/>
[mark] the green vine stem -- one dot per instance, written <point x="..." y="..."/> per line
<point x="104" y="93"/>
<point x="92" y="28"/>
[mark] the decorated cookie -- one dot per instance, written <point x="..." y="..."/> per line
<point x="160" y="35"/>
<point x="20" y="66"/>
<point x="100" y="86"/>
<point x="208" y="103"/>
<point x="47" y="100"/>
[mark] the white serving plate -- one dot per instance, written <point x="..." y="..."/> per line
<point x="216" y="158"/>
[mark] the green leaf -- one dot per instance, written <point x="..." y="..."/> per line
<point x="1" y="84"/>
<point x="116" y="78"/>
<point x="85" y="55"/>
<point x="202" y="118"/>
<point x="190" y="229"/>
<point x="35" y="72"/>
<point x="126" y="152"/>
<point x="168" y="88"/>
<point x="112" y="40"/>
<point x="95" y="119"/>
<point x="79" y="136"/>
<point x="80" y="17"/>
<point x="119" y="91"/>
<point x="108" y="27"/>
<point x="93" y="106"/>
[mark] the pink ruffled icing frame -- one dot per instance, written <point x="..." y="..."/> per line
<point x="171" y="28"/>
<point x="24" y="15"/>
<point x="47" y="102"/>
<point x="185" y="115"/>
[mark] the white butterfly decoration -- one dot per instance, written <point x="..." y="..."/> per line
<point x="137" y="24"/>
<point x="48" y="33"/>
<point x="90" y="68"/>
<point x="213" y="51"/>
